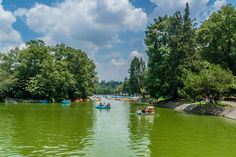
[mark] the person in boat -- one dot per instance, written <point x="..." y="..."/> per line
<point x="100" y="104"/>
<point x="144" y="110"/>
<point x="148" y="110"/>
<point x="139" y="111"/>
<point x="108" y="105"/>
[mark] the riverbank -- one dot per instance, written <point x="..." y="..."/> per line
<point x="228" y="111"/>
<point x="15" y="101"/>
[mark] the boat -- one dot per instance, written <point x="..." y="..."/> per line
<point x="103" y="107"/>
<point x="43" y="101"/>
<point x="147" y="111"/>
<point x="65" y="102"/>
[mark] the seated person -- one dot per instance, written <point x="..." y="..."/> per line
<point x="149" y="110"/>
<point x="144" y="110"/>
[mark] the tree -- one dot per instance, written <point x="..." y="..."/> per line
<point x="217" y="38"/>
<point x="125" y="86"/>
<point x="109" y="87"/>
<point x="136" y="71"/>
<point x="40" y="71"/>
<point x="212" y="82"/>
<point x="171" y="49"/>
<point x="81" y="67"/>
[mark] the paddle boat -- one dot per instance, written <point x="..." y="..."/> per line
<point x="65" y="102"/>
<point x="146" y="111"/>
<point x="103" y="106"/>
<point x="44" y="101"/>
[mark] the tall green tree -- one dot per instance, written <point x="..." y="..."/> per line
<point x="217" y="38"/>
<point x="171" y="48"/>
<point x="136" y="71"/>
<point x="126" y="88"/>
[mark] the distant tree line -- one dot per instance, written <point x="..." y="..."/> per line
<point x="186" y="61"/>
<point x="109" y="87"/>
<point x="46" y="72"/>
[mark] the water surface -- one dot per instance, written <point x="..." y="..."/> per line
<point x="82" y="130"/>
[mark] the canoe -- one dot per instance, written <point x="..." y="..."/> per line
<point x="102" y="107"/>
<point x="43" y="101"/>
<point x="65" y="102"/>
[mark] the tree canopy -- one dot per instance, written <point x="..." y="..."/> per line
<point x="137" y="76"/>
<point x="108" y="87"/>
<point x="186" y="61"/>
<point x="51" y="72"/>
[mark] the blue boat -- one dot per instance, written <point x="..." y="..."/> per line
<point x="65" y="102"/>
<point x="103" y="107"/>
<point x="43" y="101"/>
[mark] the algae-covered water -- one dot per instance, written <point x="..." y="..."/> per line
<point x="82" y="130"/>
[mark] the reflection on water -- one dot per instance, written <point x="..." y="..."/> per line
<point x="111" y="131"/>
<point x="82" y="130"/>
<point x="139" y="134"/>
<point x="36" y="130"/>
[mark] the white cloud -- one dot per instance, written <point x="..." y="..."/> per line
<point x="135" y="53"/>
<point x="118" y="62"/>
<point x="9" y="37"/>
<point x="20" y="12"/>
<point x="86" y="24"/>
<point x="218" y="4"/>
<point x="116" y="69"/>
<point x="200" y="9"/>
<point x="22" y="46"/>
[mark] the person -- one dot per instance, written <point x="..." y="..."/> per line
<point x="139" y="111"/>
<point x="100" y="104"/>
<point x="149" y="110"/>
<point x="144" y="110"/>
<point x="108" y="104"/>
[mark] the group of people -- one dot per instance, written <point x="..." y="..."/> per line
<point x="149" y="110"/>
<point x="103" y="104"/>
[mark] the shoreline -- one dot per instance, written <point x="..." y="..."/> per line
<point x="209" y="109"/>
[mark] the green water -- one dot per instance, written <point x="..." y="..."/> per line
<point x="82" y="130"/>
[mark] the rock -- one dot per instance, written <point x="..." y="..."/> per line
<point x="206" y="109"/>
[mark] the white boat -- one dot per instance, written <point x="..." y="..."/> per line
<point x="150" y="108"/>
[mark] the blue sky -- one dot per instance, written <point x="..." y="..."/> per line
<point x="111" y="32"/>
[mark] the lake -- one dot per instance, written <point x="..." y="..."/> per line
<point x="81" y="130"/>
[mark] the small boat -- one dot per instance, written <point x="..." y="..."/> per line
<point x="103" y="107"/>
<point x="43" y="101"/>
<point x="148" y="111"/>
<point x="145" y="113"/>
<point x="65" y="102"/>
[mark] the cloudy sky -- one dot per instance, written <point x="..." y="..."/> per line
<point x="110" y="31"/>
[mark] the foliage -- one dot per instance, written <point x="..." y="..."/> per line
<point x="40" y="71"/>
<point x="217" y="38"/>
<point x="190" y="62"/>
<point x="125" y="86"/>
<point x="171" y="47"/>
<point x="137" y="76"/>
<point x="110" y="87"/>
<point x="212" y="82"/>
